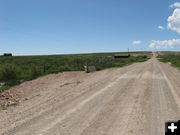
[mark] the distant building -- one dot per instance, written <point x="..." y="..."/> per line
<point x="7" y="54"/>
<point x="121" y="55"/>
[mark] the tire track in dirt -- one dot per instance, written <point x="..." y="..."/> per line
<point x="133" y="100"/>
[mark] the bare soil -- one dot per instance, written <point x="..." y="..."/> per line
<point x="133" y="100"/>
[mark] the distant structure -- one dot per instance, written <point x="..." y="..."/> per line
<point x="7" y="54"/>
<point x="121" y="55"/>
<point x="89" y="69"/>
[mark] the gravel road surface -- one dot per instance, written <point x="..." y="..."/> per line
<point x="133" y="100"/>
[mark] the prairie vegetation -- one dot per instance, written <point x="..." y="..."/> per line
<point x="16" y="69"/>
<point x="171" y="57"/>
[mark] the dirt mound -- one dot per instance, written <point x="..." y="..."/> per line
<point x="28" y="89"/>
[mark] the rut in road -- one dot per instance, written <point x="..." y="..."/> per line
<point x="133" y="100"/>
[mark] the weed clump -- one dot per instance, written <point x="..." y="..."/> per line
<point x="35" y="71"/>
<point x="9" y="74"/>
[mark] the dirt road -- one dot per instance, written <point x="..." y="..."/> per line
<point x="133" y="100"/>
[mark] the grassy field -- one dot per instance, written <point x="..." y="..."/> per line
<point x="171" y="57"/>
<point x="16" y="69"/>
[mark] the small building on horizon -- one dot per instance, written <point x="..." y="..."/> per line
<point x="121" y="55"/>
<point x="7" y="54"/>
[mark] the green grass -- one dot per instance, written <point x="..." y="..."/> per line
<point x="172" y="58"/>
<point x="22" y="68"/>
<point x="4" y="87"/>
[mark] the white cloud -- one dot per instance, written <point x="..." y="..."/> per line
<point x="175" y="5"/>
<point x="174" y="21"/>
<point x="137" y="42"/>
<point x="161" y="27"/>
<point x="174" y="43"/>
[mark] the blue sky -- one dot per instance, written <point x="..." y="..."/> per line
<point x="84" y="26"/>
